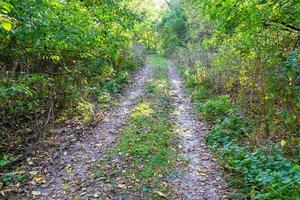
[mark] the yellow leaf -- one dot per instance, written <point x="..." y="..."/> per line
<point x="69" y="170"/>
<point x="282" y="143"/>
<point x="6" y="26"/>
<point x="66" y="186"/>
<point x="201" y="174"/>
<point x="38" y="178"/>
<point x="1" y="184"/>
<point x="259" y="6"/>
<point x="29" y="161"/>
<point x="55" y="4"/>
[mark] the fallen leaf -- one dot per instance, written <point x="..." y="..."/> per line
<point x="29" y="161"/>
<point x="121" y="185"/>
<point x="201" y="174"/>
<point x="69" y="170"/>
<point x="33" y="173"/>
<point x="66" y="186"/>
<point x="96" y="195"/>
<point x="161" y="194"/>
<point x="38" y="178"/>
<point x="36" y="193"/>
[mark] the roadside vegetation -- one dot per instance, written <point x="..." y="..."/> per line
<point x="63" y="61"/>
<point x="59" y="61"/>
<point x="138" y="164"/>
<point x="240" y="61"/>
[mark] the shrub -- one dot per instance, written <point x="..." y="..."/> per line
<point x="215" y="109"/>
<point x="259" y="173"/>
<point x="200" y="94"/>
<point x="85" y="110"/>
<point x="263" y="173"/>
<point x="233" y="127"/>
<point x="57" y="58"/>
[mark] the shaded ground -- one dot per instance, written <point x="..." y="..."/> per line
<point x="200" y="178"/>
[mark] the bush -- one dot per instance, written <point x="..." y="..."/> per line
<point x="263" y="173"/>
<point x="259" y="173"/>
<point x="232" y="128"/>
<point x="85" y="110"/>
<point x="56" y="59"/>
<point x="215" y="109"/>
<point x="200" y="94"/>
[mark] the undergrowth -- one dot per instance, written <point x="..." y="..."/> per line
<point x="256" y="172"/>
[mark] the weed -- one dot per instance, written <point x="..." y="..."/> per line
<point x="215" y="109"/>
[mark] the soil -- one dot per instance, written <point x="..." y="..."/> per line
<point x="200" y="178"/>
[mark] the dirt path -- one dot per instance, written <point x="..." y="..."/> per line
<point x="200" y="178"/>
<point x="71" y="175"/>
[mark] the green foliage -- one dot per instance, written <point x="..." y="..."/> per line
<point x="266" y="175"/>
<point x="215" y="109"/>
<point x="5" y="20"/>
<point x="61" y="56"/>
<point x="246" y="52"/>
<point x="85" y="109"/>
<point x="249" y="51"/>
<point x="6" y="160"/>
<point x="263" y="173"/>
<point x="9" y="177"/>
<point x="257" y="173"/>
<point x="197" y="82"/>
<point x="173" y="28"/>
<point x="233" y="127"/>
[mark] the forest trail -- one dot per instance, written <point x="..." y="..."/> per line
<point x="149" y="99"/>
<point x="200" y="178"/>
<point x="72" y="175"/>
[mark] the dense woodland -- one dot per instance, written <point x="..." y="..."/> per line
<point x="240" y="61"/>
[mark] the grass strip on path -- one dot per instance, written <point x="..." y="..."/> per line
<point x="138" y="164"/>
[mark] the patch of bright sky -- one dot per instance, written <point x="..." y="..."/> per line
<point x="160" y="7"/>
<point x="152" y="9"/>
<point x="160" y="3"/>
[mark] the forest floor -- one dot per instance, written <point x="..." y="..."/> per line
<point x="148" y="146"/>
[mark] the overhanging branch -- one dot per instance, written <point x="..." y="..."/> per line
<point x="287" y="25"/>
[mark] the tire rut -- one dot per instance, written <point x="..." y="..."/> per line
<point x="200" y="178"/>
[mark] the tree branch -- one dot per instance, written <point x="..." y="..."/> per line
<point x="168" y="3"/>
<point x="287" y="25"/>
